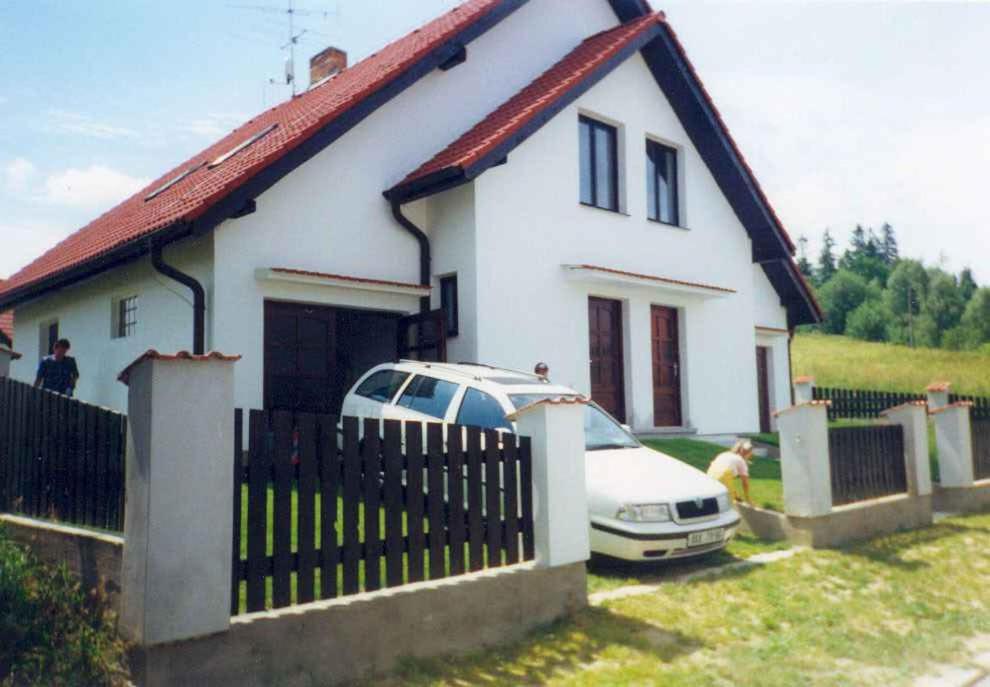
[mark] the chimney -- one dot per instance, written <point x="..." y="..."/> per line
<point x="326" y="63"/>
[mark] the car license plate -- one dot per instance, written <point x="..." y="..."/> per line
<point x="706" y="537"/>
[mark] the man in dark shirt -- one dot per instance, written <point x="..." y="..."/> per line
<point x="58" y="372"/>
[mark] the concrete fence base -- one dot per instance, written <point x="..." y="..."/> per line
<point x="94" y="556"/>
<point x="844" y="524"/>
<point x="341" y="640"/>
<point x="972" y="499"/>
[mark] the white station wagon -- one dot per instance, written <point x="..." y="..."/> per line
<point x="644" y="505"/>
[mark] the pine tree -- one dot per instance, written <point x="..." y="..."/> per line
<point x="888" y="245"/>
<point x="967" y="284"/>
<point x="804" y="265"/>
<point x="826" y="259"/>
<point x="858" y="239"/>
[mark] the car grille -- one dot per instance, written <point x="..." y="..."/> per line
<point x="686" y="510"/>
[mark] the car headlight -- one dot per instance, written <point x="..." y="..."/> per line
<point x="647" y="512"/>
<point x="724" y="502"/>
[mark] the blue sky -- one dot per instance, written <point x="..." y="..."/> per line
<point x="847" y="111"/>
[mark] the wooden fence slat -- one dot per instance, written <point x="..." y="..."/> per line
<point x="102" y="445"/>
<point x="352" y="502"/>
<point x="457" y="525"/>
<point x="493" y="509"/>
<point x="329" y="487"/>
<point x="258" y="476"/>
<point x="371" y="460"/>
<point x="510" y="469"/>
<point x="434" y="499"/>
<point x="237" y="461"/>
<point x="525" y="456"/>
<point x="392" y="457"/>
<point x="415" y="500"/>
<point x="476" y="560"/>
<point x="306" y="499"/>
<point x="282" y="424"/>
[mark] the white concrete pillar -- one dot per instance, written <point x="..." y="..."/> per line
<point x="6" y="356"/>
<point x="178" y="517"/>
<point x="560" y="499"/>
<point x="913" y="417"/>
<point x="804" y="390"/>
<point x="938" y="395"/>
<point x="804" y="459"/>
<point x="955" y="444"/>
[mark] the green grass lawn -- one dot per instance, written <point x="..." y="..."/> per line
<point x="765" y="486"/>
<point x="878" y="613"/>
<point x="839" y="361"/>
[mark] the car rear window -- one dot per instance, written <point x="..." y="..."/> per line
<point x="382" y="385"/>
<point x="428" y="395"/>
<point x="478" y="409"/>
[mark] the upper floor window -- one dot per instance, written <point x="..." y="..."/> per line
<point x="448" y="302"/>
<point x="661" y="183"/>
<point x="599" y="164"/>
<point x="124" y="317"/>
<point x="48" y="336"/>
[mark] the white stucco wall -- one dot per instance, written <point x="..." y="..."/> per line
<point x="329" y="215"/>
<point x="529" y="223"/>
<point x="85" y="312"/>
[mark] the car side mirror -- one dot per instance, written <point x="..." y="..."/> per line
<point x="627" y="428"/>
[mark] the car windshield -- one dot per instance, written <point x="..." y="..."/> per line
<point x="600" y="431"/>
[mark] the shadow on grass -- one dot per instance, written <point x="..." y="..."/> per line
<point x="888" y="550"/>
<point x="566" y="646"/>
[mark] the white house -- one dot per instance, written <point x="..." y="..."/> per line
<point x="549" y="176"/>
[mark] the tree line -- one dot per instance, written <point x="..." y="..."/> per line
<point x="870" y="292"/>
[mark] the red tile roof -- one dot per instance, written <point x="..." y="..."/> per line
<point x="297" y="120"/>
<point x="152" y="354"/>
<point x="6" y="321"/>
<point x="651" y="277"/>
<point x="535" y="98"/>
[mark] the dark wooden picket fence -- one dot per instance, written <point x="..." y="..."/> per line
<point x="861" y="403"/>
<point x="981" y="405"/>
<point x="981" y="449"/>
<point x="866" y="462"/>
<point x="868" y="403"/>
<point x="321" y="512"/>
<point x="61" y="458"/>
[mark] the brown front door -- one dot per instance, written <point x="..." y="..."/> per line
<point x="666" y="367"/>
<point x="763" y="385"/>
<point x="607" y="387"/>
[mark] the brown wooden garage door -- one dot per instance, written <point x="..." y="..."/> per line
<point x="607" y="368"/>
<point x="313" y="354"/>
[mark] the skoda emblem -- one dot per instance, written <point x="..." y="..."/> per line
<point x="699" y="503"/>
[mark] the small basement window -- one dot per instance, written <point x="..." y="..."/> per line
<point x="448" y="302"/>
<point x="124" y="317"/>
<point x="599" y="164"/>
<point x="661" y="183"/>
<point x="48" y="335"/>
<point x="241" y="146"/>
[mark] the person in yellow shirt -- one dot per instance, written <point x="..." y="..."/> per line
<point x="729" y="465"/>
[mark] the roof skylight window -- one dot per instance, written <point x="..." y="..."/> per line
<point x="241" y="146"/>
<point x="172" y="182"/>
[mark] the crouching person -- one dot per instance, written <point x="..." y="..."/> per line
<point x="731" y="465"/>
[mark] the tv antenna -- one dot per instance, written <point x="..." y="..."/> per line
<point x="291" y="12"/>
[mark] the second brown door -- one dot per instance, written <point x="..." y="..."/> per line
<point x="666" y="367"/>
<point x="607" y="369"/>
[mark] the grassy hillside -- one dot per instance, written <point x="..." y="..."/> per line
<point x="844" y="362"/>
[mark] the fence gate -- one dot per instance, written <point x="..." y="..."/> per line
<point x="61" y="458"/>
<point x="322" y="511"/>
<point x="981" y="449"/>
<point x="866" y="462"/>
